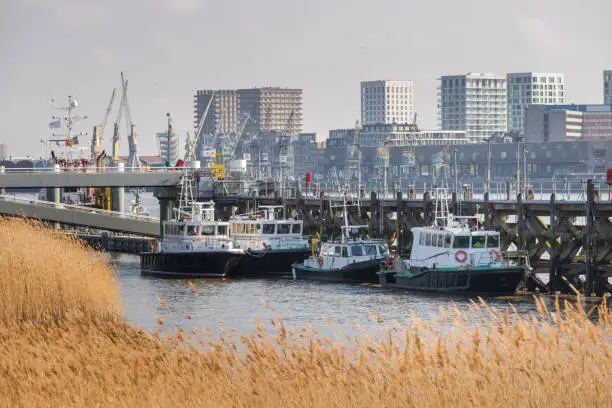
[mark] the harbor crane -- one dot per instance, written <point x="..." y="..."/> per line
<point x="98" y="130"/>
<point x="115" y="153"/>
<point x="234" y="143"/>
<point x="192" y="139"/>
<point x="133" y="159"/>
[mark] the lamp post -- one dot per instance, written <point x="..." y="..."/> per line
<point x="456" y="174"/>
<point x="518" y="163"/>
<point x="525" y="151"/>
<point x="489" y="167"/>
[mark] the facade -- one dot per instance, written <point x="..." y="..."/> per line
<point x="308" y="155"/>
<point x="387" y="102"/>
<point x="607" y="87"/>
<point x="162" y="144"/>
<point x="222" y="117"/>
<point x="529" y="88"/>
<point x="3" y="152"/>
<point x="475" y="103"/>
<point x="272" y="109"/>
<point x="568" y="122"/>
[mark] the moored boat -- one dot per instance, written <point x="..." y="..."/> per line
<point x="454" y="255"/>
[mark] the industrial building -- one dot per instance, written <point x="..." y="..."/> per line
<point x="387" y="102"/>
<point x="548" y="123"/>
<point x="272" y="109"/>
<point x="529" y="88"/>
<point x="607" y="87"/>
<point x="475" y="103"/>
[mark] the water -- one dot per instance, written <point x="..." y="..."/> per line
<point x="239" y="302"/>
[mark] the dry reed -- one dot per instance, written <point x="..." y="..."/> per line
<point x="559" y="357"/>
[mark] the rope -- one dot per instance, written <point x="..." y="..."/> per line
<point x="261" y="255"/>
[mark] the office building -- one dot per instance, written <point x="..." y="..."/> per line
<point x="387" y="102"/>
<point x="272" y="109"/>
<point x="222" y="116"/>
<point x="607" y="87"/>
<point x="552" y="123"/>
<point x="475" y="103"/>
<point x="530" y="88"/>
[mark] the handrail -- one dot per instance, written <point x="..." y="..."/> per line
<point x="51" y="204"/>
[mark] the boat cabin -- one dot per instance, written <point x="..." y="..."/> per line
<point x="445" y="247"/>
<point x="336" y="255"/>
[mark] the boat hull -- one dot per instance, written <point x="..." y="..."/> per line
<point x="219" y="264"/>
<point x="481" y="281"/>
<point x="359" y="272"/>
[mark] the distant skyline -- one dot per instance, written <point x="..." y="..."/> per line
<point x="168" y="49"/>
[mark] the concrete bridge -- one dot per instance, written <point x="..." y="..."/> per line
<point x="80" y="216"/>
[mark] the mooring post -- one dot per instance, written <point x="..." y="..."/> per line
<point x="588" y="235"/>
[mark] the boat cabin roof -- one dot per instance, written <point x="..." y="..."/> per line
<point x="354" y="248"/>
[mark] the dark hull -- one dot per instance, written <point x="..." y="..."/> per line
<point x="361" y="272"/>
<point x="219" y="264"/>
<point x="483" y="282"/>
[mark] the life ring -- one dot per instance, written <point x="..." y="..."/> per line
<point x="320" y="261"/>
<point x="495" y="255"/>
<point x="461" y="256"/>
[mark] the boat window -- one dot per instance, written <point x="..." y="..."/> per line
<point x="221" y="230"/>
<point x="191" y="230"/>
<point x="428" y="239"/>
<point x="327" y="250"/>
<point x="383" y="250"/>
<point x="207" y="230"/>
<point x="345" y="252"/>
<point x="421" y="238"/>
<point x="338" y="251"/>
<point x="282" y="228"/>
<point x="461" y="241"/>
<point x="479" y="241"/>
<point x="268" y="228"/>
<point x="447" y="240"/>
<point x="370" y="250"/>
<point x="296" y="229"/>
<point x="252" y="228"/>
<point x="493" y="241"/>
<point x="440" y="241"/>
<point x="238" y="228"/>
<point x="356" y="250"/>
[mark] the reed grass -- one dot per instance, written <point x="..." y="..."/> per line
<point x="556" y="358"/>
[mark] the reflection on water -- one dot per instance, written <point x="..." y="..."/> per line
<point x="239" y="302"/>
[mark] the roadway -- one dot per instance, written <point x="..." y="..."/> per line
<point x="80" y="216"/>
<point x="50" y="178"/>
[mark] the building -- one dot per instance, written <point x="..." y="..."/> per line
<point x="222" y="116"/>
<point x="475" y="103"/>
<point x="272" y="109"/>
<point x="308" y="155"/>
<point x="162" y="145"/>
<point x="387" y="102"/>
<point x="549" y="123"/>
<point x="607" y="87"/>
<point x="530" y="88"/>
<point x="4" y="154"/>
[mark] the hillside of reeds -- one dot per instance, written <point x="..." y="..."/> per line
<point x="63" y="343"/>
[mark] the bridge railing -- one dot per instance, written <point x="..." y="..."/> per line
<point x="49" y="204"/>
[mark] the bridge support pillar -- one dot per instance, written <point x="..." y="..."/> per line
<point x="118" y="199"/>
<point x="166" y="208"/>
<point x="54" y="195"/>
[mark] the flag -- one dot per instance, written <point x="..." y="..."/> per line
<point x="56" y="124"/>
<point x="72" y="141"/>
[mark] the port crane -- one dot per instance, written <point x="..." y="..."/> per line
<point x="115" y="153"/>
<point x="133" y="159"/>
<point x="98" y="130"/>
<point x="192" y="139"/>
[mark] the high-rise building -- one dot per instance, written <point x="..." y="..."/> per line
<point x="272" y="109"/>
<point x="607" y="86"/>
<point x="3" y="152"/>
<point x="387" y="102"/>
<point x="172" y="154"/>
<point x="222" y="116"/>
<point x="475" y="103"/>
<point x="527" y="88"/>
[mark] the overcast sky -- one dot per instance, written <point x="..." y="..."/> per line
<point x="170" y="48"/>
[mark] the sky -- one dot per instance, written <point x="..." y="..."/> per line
<point x="170" y="48"/>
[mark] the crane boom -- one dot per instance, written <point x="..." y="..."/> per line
<point x="107" y="114"/>
<point x="243" y="125"/>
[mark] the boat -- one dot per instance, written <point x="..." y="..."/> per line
<point x="196" y="245"/>
<point x="354" y="258"/>
<point x="270" y="241"/>
<point x="454" y="255"/>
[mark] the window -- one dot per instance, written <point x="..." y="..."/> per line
<point x="493" y="241"/>
<point x="370" y="250"/>
<point x="440" y="241"/>
<point x="428" y="239"/>
<point x="479" y="241"/>
<point x="461" y="241"/>
<point x="447" y="240"/>
<point x="296" y="229"/>
<point x="422" y="238"/>
<point x="382" y="250"/>
<point x="191" y="230"/>
<point x="207" y="229"/>
<point x="356" y="250"/>
<point x="221" y="230"/>
<point x="283" y="228"/>
<point x="268" y="228"/>
<point x="344" y="252"/>
<point x="338" y="251"/>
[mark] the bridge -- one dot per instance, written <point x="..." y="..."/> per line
<point x="80" y="216"/>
